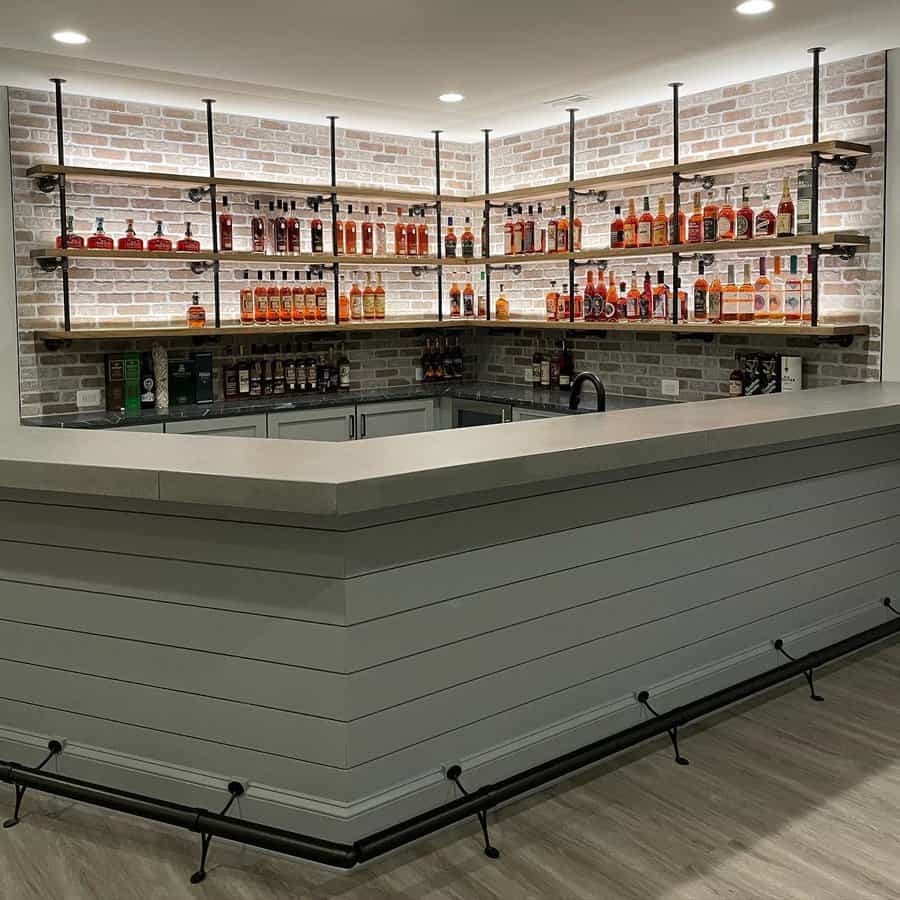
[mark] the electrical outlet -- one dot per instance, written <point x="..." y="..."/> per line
<point x="670" y="387"/>
<point x="88" y="399"/>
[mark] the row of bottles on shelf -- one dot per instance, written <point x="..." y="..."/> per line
<point x="100" y="240"/>
<point x="441" y="360"/>
<point x="767" y="300"/>
<point x="278" y="370"/>
<point x="552" y="370"/>
<point x="711" y="222"/>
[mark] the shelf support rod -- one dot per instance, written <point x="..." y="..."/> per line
<point x="211" y="149"/>
<point x="63" y="210"/>
<point x="332" y="146"/>
<point x="439" y="213"/>
<point x="486" y="242"/>
<point x="571" y="248"/>
<point x="675" y="226"/>
<point x="814" y="250"/>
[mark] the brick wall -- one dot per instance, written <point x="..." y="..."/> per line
<point x="111" y="133"/>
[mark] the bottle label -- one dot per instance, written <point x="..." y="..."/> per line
<point x="744" y="226"/>
<point x="450" y="245"/>
<point x="246" y="303"/>
<point x="468" y="247"/>
<point x="629" y="236"/>
<point x="468" y="304"/>
<point x="564" y="380"/>
<point x="724" y="227"/>
<point x="710" y="229"/>
<point x="714" y="299"/>
<point x="764" y="225"/>
<point x="792" y="302"/>
<point x="508" y="242"/>
<point x="700" y="295"/>
<point x="760" y="302"/>
<point x="617" y="237"/>
<point x="660" y="233"/>
<point x="661" y="305"/>
<point x="784" y="224"/>
<point x="576" y="236"/>
<point x="695" y="231"/>
<point x="645" y="232"/>
<point x="243" y="381"/>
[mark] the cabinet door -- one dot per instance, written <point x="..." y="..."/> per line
<point x="331" y="423"/>
<point x="521" y="414"/>
<point x="228" y="426"/>
<point x="395" y="417"/>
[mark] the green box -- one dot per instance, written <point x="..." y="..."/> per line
<point x="132" y="382"/>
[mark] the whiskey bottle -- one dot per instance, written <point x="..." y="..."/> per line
<point x="380" y="299"/>
<point x="343" y="365"/>
<point x="784" y="222"/>
<point x="412" y="238"/>
<point x="617" y="230"/>
<point x="422" y="238"/>
<point x="293" y="230"/>
<point x="695" y="223"/>
<point x="661" y="225"/>
<point x="455" y="300"/>
<point x="188" y="244"/>
<point x="450" y="239"/>
<point x="508" y="229"/>
<point x="246" y="300"/>
<point x="744" y="219"/>
<point x="529" y="231"/>
<point x="710" y="220"/>
<point x="765" y="219"/>
<point x="73" y="241"/>
<point x="369" y="299"/>
<point x="159" y="242"/>
<point x="257" y="230"/>
<point x="368" y="234"/>
<point x="725" y="223"/>
<point x="631" y="227"/>
<point x="661" y="311"/>
<point x="281" y="230"/>
<point x="321" y="295"/>
<point x="286" y="298"/>
<point x="100" y="240"/>
<point x="273" y="305"/>
<point x="196" y="314"/>
<point x="399" y="235"/>
<point x="745" y="297"/>
<point x="316" y="232"/>
<point x="380" y="235"/>
<point x="762" y="294"/>
<point x="243" y="374"/>
<point x="518" y="245"/>
<point x="468" y="240"/>
<point x="730" y="306"/>
<point x="701" y="293"/>
<point x="562" y="231"/>
<point x="260" y="301"/>
<point x="340" y="249"/>
<point x="350" y="232"/>
<point x="468" y="301"/>
<point x="645" y="226"/>
<point x="502" y="308"/>
<point x="356" y="300"/>
<point x="130" y="241"/>
<point x="226" y="227"/>
<point x="298" y="301"/>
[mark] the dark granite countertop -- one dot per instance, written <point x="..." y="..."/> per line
<point x="512" y="394"/>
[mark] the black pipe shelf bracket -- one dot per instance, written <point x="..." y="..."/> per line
<point x="54" y="748"/>
<point x="708" y="259"/>
<point x="202" y="266"/>
<point x="840" y="340"/>
<point x="707" y="182"/>
<point x="597" y="194"/>
<point x="844" y="163"/>
<point x="454" y="773"/>
<point x="321" y="268"/>
<point x="600" y="264"/>
<point x="235" y="789"/>
<point x="419" y="271"/>
<point x="644" y="699"/>
<point x="317" y="200"/>
<point x="515" y="268"/>
<point x="52" y="263"/>
<point x="845" y="252"/>
<point x="47" y="184"/>
<point x="807" y="673"/>
<point x="196" y="194"/>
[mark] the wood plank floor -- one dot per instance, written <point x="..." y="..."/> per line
<point x="784" y="799"/>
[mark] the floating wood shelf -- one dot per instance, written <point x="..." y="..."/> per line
<point x="738" y="162"/>
<point x="114" y="333"/>
<point x="143" y="255"/>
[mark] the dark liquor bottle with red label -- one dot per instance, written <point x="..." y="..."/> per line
<point x="293" y="230"/>
<point x="279" y="231"/>
<point x="226" y="227"/>
<point x="257" y="230"/>
<point x="316" y="231"/>
<point x="744" y="221"/>
<point x="368" y="234"/>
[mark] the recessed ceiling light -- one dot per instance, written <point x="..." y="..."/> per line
<point x="755" y="7"/>
<point x="70" y="37"/>
<point x="451" y="98"/>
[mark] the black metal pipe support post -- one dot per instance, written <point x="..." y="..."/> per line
<point x="675" y="228"/>
<point x="439" y="214"/>
<point x="571" y="248"/>
<point x="486" y="242"/>
<point x="63" y="209"/>
<point x="816" y="160"/>
<point x="54" y="748"/>
<point x="332" y="144"/>
<point x="211" y="149"/>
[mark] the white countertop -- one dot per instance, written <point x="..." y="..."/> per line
<point x="337" y="479"/>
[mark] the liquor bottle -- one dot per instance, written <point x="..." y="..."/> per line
<point x="298" y="302"/>
<point x="290" y="370"/>
<point x="508" y="229"/>
<point x="293" y="230"/>
<point x="278" y="386"/>
<point x="343" y="301"/>
<point x="350" y="232"/>
<point x="765" y="219"/>
<point x="518" y="245"/>
<point x="100" y="240"/>
<point x="806" y="293"/>
<point x="577" y="303"/>
<point x="562" y="232"/>
<point x="254" y="374"/>
<point x="243" y="373"/>
<point x="468" y="300"/>
<point x="601" y="297"/>
<point x="310" y="312"/>
<point x="793" y="295"/>
<point x="321" y="295"/>
<point x="159" y="242"/>
<point x="343" y="367"/>
<point x="316" y="231"/>
<point x="743" y="229"/>
<point x="776" y="295"/>
<point x="368" y="234"/>
<point x="661" y="312"/>
<point x="590" y="289"/>
<point x="455" y="300"/>
<point x="555" y="366"/>
<point x="564" y="303"/>
<point x="762" y="294"/>
<point x="485" y="216"/>
<point x="229" y="376"/>
<point x="260" y="301"/>
<point x="745" y="297"/>
<point x="270" y="229"/>
<point x="468" y="241"/>
<point x="399" y="235"/>
<point x="645" y="226"/>
<point x="530" y="226"/>
<point x="575" y="243"/>
<point x="631" y="227"/>
<point x="730" y="298"/>
<point x="226" y="227"/>
<point x="286" y="298"/>
<point x="380" y="298"/>
<point x="188" y="244"/>
<point x="661" y="225"/>
<point x="450" y="239"/>
<point x="725" y="223"/>
<point x="130" y="241"/>
<point x="784" y="222"/>
<point x="537" y="361"/>
<point x="681" y="296"/>
<point x="677" y="228"/>
<point x="545" y="372"/>
<point x="695" y="223"/>
<point x="369" y="299"/>
<point x="502" y="308"/>
<point x="613" y="301"/>
<point x="552" y="234"/>
<point x="617" y="230"/>
<point x="273" y="305"/>
<point x="710" y="220"/>
<point x="701" y="295"/>
<point x="736" y="380"/>
<point x="715" y="301"/>
<point x="633" y="299"/>
<point x="257" y="230"/>
<point x="422" y="237"/>
<point x="645" y="303"/>
<point x="566" y="368"/>
<point x="540" y="231"/>
<point x="246" y="300"/>
<point x="196" y="314"/>
<point x="380" y="234"/>
<point x="356" y="301"/>
<point x="73" y="241"/>
<point x="412" y="240"/>
<point x="280" y="231"/>
<point x="622" y="303"/>
<point x="552" y="303"/>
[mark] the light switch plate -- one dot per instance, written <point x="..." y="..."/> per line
<point x="670" y="387"/>
<point x="89" y="399"/>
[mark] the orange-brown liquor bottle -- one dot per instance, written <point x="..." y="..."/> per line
<point x="645" y="226"/>
<point x="356" y="301"/>
<point x="298" y="304"/>
<point x="617" y="230"/>
<point x="350" y="232"/>
<point x="422" y="237"/>
<point x="344" y="302"/>
<point x="784" y="222"/>
<point x="562" y="232"/>
<point x="321" y="295"/>
<point x="196" y="314"/>
<point x="368" y="234"/>
<point x="695" y="223"/>
<point x="725" y="222"/>
<point x="273" y="306"/>
<point x="412" y="240"/>
<point x="309" y="300"/>
<point x="399" y="235"/>
<point x="369" y="299"/>
<point x="246" y="300"/>
<point x="339" y="232"/>
<point x="631" y="227"/>
<point x="744" y="221"/>
<point x="661" y="225"/>
<point x="260" y="301"/>
<point x="287" y="298"/>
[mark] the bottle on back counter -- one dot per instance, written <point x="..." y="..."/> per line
<point x="566" y="368"/>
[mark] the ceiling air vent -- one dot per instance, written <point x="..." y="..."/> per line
<point x="568" y="101"/>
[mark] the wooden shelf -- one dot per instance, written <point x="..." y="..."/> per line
<point x="144" y="255"/>
<point x="737" y="162"/>
<point x="86" y="173"/>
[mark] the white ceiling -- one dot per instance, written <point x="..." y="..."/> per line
<point x="382" y="63"/>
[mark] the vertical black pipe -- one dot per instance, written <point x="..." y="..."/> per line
<point x="675" y="231"/>
<point x="211" y="150"/>
<point x="332" y="143"/>
<point x="63" y="210"/>
<point x="439" y="213"/>
<point x="814" y="216"/>
<point x="486" y="249"/>
<point x="571" y="111"/>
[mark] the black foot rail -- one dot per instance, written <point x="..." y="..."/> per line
<point x="644" y="699"/>
<point x="807" y="673"/>
<point x="236" y="789"/>
<point x="887" y="602"/>
<point x="453" y="774"/>
<point x="55" y="748"/>
<point x="346" y="856"/>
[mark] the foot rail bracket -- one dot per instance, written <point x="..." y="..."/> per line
<point x="55" y="748"/>
<point x="453" y="774"/>
<point x="807" y="674"/>
<point x="644" y="699"/>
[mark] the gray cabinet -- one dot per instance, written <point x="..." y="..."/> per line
<point x="155" y="427"/>
<point x="330" y="423"/>
<point x="522" y="414"/>
<point x="229" y="426"/>
<point x="396" y="417"/>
